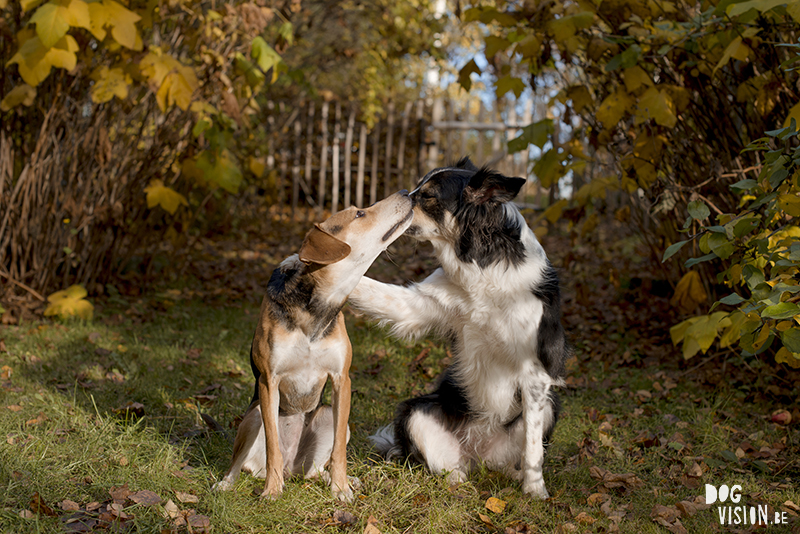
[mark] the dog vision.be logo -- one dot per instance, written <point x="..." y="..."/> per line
<point x="736" y="514"/>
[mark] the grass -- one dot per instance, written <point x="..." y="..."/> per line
<point x="66" y="434"/>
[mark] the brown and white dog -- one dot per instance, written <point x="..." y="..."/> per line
<point x="300" y="342"/>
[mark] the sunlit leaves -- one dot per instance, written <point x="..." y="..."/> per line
<point x="22" y="94"/>
<point x="613" y="108"/>
<point x="35" y="61"/>
<point x="109" y="83"/>
<point x="54" y="19"/>
<point x="69" y="302"/>
<point x="265" y="56"/>
<point x="160" y="195"/>
<point x="698" y="333"/>
<point x="173" y="82"/>
<point x="122" y="21"/>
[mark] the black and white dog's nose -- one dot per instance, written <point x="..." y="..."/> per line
<point x="403" y="192"/>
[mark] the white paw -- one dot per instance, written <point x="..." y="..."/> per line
<point x="456" y="476"/>
<point x="223" y="485"/>
<point x="344" y="495"/>
<point x="536" y="489"/>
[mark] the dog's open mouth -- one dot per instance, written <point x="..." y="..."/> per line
<point x="397" y="225"/>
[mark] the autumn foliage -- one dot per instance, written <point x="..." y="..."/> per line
<point x="658" y="101"/>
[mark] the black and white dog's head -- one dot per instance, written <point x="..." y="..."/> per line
<point x="468" y="210"/>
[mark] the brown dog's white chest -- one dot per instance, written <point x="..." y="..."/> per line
<point x="302" y="366"/>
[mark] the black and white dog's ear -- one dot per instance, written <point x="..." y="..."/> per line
<point x="466" y="164"/>
<point x="321" y="248"/>
<point x="486" y="185"/>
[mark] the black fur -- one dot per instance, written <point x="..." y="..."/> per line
<point x="475" y="198"/>
<point x="552" y="345"/>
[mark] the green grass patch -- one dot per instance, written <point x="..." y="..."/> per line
<point x="90" y="406"/>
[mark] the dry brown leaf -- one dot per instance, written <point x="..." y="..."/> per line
<point x="6" y="372"/>
<point x="495" y="505"/>
<point x="372" y="527"/>
<point x="69" y="506"/>
<point x="668" y="516"/>
<point x="486" y="520"/>
<point x="26" y="514"/>
<point x="119" y="494"/>
<point x="171" y="509"/>
<point x="145" y="498"/>
<point x="198" y="523"/>
<point x="186" y="497"/>
<point x="343" y="517"/>
<point x="615" y="480"/>
<point x="595" y="498"/>
<point x="38" y="506"/>
<point x="584" y="519"/>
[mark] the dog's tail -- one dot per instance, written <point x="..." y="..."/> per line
<point x="384" y="442"/>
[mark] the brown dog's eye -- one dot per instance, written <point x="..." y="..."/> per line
<point x="360" y="213"/>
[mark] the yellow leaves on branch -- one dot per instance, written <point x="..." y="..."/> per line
<point x="173" y="82"/>
<point x="54" y="19"/>
<point x="34" y="60"/>
<point x="656" y="104"/>
<point x="21" y="94"/>
<point x="613" y="108"/>
<point x="109" y="83"/>
<point x="160" y="195"/>
<point x="69" y="302"/>
<point x="122" y="21"/>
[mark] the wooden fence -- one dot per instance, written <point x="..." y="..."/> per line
<point x="322" y="156"/>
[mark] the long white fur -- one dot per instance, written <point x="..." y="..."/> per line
<point x="495" y="316"/>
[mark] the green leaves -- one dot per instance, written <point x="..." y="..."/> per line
<point x="265" y="56"/>
<point x="532" y="134"/>
<point x="698" y="210"/>
<point x="464" y="74"/>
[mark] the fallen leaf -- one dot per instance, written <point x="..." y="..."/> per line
<point x="613" y="480"/>
<point x="595" y="498"/>
<point x="486" y="520"/>
<point x="6" y="372"/>
<point x="686" y="508"/>
<point x="584" y="518"/>
<point x="119" y="495"/>
<point x="38" y="506"/>
<point x="198" y="523"/>
<point x="69" y="506"/>
<point x="171" y="509"/>
<point x="343" y="518"/>
<point x="26" y="514"/>
<point x="145" y="498"/>
<point x="667" y="516"/>
<point x="186" y="497"/>
<point x="495" y="505"/>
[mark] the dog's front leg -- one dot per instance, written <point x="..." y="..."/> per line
<point x="536" y="413"/>
<point x="270" y="400"/>
<point x="341" y="412"/>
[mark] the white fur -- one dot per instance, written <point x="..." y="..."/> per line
<point x="495" y="318"/>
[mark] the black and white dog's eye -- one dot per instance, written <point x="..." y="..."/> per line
<point x="360" y="213"/>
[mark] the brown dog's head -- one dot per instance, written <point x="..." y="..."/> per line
<point x="358" y="235"/>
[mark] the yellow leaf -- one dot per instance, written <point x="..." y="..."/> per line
<point x="635" y="77"/>
<point x="553" y="212"/>
<point x="27" y="5"/>
<point x="69" y="302"/>
<point x="689" y="292"/>
<point x="166" y="197"/>
<point x="256" y="166"/>
<point x="794" y="113"/>
<point x="173" y="82"/>
<point x="656" y="104"/>
<point x="495" y="505"/>
<point x="34" y="61"/>
<point x="565" y="27"/>
<point x="156" y="65"/>
<point x="792" y="359"/>
<point x="51" y="23"/>
<point x="613" y="108"/>
<point x="21" y="94"/>
<point x="109" y="83"/>
<point x="790" y="204"/>
<point x="580" y="96"/>
<point x="732" y="332"/>
<point x="736" y="49"/>
<point x="122" y="22"/>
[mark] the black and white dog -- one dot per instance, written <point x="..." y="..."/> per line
<point x="496" y="296"/>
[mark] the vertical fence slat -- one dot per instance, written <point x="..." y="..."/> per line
<point x="497" y="137"/>
<point x="362" y="161"/>
<point x="401" y="148"/>
<point x="348" y="154"/>
<point x="479" y="146"/>
<point x="387" y="164"/>
<point x="337" y="126"/>
<point x="420" y="142"/>
<point x="433" y="149"/>
<point x="309" y="147"/>
<point x="448" y="145"/>
<point x="298" y="133"/>
<point x="376" y="147"/>
<point x="511" y="134"/>
<point x="284" y="165"/>
<point x="323" y="158"/>
<point x="465" y="115"/>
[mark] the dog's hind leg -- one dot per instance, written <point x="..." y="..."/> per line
<point x="249" y="450"/>
<point x="439" y="447"/>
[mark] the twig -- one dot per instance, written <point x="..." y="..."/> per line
<point x="23" y="286"/>
<point x="701" y="364"/>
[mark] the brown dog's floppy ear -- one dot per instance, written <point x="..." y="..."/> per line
<point x="322" y="248"/>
